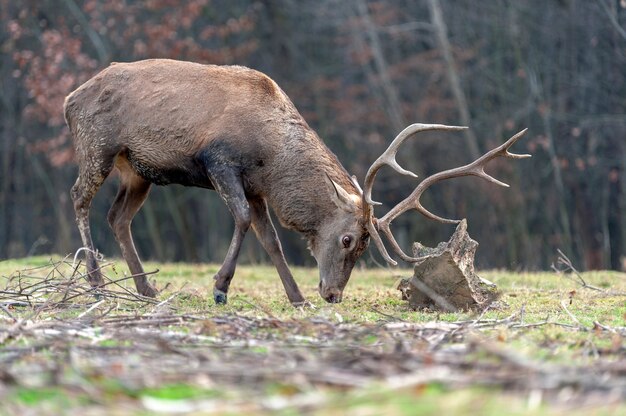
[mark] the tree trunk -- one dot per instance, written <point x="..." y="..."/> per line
<point x="615" y="219"/>
<point x="441" y="32"/>
<point x="392" y="98"/>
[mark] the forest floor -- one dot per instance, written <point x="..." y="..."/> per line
<point x="552" y="344"/>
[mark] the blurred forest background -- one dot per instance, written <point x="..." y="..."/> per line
<point x="358" y="71"/>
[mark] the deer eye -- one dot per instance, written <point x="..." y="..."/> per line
<point x="346" y="240"/>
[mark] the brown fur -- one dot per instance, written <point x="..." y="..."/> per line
<point x="228" y="128"/>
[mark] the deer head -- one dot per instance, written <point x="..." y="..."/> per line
<point x="344" y="236"/>
<point x="340" y="241"/>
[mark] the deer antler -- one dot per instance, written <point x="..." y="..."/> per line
<point x="475" y="168"/>
<point x="389" y="156"/>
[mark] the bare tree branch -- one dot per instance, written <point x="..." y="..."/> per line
<point x="612" y="18"/>
<point x="94" y="37"/>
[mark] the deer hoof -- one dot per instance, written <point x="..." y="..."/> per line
<point x="149" y="291"/>
<point x="220" y="297"/>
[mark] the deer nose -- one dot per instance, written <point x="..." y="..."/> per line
<point x="333" y="298"/>
<point x="331" y="295"/>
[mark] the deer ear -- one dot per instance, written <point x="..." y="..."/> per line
<point x="341" y="197"/>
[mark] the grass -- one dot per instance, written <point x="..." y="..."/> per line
<point x="371" y="294"/>
<point x="370" y="298"/>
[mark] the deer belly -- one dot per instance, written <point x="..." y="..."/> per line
<point x="182" y="172"/>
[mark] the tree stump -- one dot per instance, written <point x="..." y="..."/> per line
<point x="445" y="278"/>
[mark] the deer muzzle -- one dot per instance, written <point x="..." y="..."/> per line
<point x="330" y="294"/>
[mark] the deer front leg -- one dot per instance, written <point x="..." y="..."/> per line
<point x="230" y="187"/>
<point x="266" y="233"/>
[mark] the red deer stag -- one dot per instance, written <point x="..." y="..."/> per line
<point x="231" y="129"/>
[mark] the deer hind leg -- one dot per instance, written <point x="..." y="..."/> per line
<point x="230" y="187"/>
<point x="266" y="234"/>
<point x="131" y="195"/>
<point x="90" y="178"/>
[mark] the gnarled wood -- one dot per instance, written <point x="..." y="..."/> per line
<point x="445" y="277"/>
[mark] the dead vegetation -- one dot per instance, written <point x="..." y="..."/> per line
<point x="57" y="331"/>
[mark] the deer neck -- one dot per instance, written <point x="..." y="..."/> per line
<point x="298" y="193"/>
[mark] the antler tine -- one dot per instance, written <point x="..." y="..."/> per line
<point x="389" y="156"/>
<point x="384" y="228"/>
<point x="511" y="142"/>
<point x="476" y="168"/>
<point x="355" y="181"/>
<point x="373" y="231"/>
<point x="419" y="207"/>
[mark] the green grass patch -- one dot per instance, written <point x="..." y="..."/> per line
<point x="179" y="391"/>
<point x="33" y="396"/>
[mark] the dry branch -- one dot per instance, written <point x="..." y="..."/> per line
<point x="565" y="267"/>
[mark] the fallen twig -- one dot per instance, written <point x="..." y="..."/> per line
<point x="562" y="259"/>
<point x="571" y="315"/>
